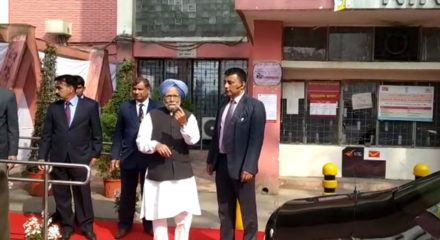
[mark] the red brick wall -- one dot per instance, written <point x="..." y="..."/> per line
<point x="93" y="21"/>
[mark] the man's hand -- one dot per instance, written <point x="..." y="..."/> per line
<point x="41" y="167"/>
<point x="180" y="117"/>
<point x="114" y="165"/>
<point x="11" y="165"/>
<point x="246" y="177"/>
<point x="163" y="150"/>
<point x="93" y="162"/>
<point x="210" y="169"/>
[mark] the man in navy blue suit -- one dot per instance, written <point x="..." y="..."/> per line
<point x="124" y="153"/>
<point x="234" y="153"/>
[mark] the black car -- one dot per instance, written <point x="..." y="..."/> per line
<point x="375" y="214"/>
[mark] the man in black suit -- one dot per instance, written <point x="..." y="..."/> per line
<point x="234" y="153"/>
<point x="125" y="153"/>
<point x="72" y="134"/>
<point x="81" y="87"/>
<point x="8" y="149"/>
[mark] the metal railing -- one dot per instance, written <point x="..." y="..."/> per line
<point x="47" y="166"/>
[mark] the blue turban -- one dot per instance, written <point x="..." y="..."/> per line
<point x="169" y="83"/>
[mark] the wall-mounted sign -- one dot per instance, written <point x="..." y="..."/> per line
<point x="323" y="97"/>
<point x="267" y="73"/>
<point x="270" y="104"/>
<point x="187" y="53"/>
<point x="406" y="103"/>
<point x="388" y="4"/>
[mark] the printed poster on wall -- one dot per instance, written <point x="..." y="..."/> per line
<point x="323" y="97"/>
<point x="270" y="104"/>
<point x="361" y="101"/>
<point x="406" y="103"/>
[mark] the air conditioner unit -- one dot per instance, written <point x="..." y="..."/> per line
<point x="208" y="126"/>
<point x="57" y="26"/>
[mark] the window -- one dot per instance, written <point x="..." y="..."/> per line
<point x="358" y="116"/>
<point x="310" y="112"/>
<point x="396" y="44"/>
<point x="361" y="44"/>
<point x="359" y="113"/>
<point x="350" y="44"/>
<point x="431" y="45"/>
<point x="305" y="44"/>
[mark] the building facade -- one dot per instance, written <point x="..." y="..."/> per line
<point x="357" y="75"/>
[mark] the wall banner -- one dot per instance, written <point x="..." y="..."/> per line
<point x="406" y="103"/>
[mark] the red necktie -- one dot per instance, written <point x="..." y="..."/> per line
<point x="67" y="112"/>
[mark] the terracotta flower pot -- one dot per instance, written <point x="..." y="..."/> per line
<point x="37" y="189"/>
<point x="112" y="188"/>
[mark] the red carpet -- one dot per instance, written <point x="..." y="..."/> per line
<point x="104" y="231"/>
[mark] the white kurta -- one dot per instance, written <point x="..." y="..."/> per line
<point x="165" y="199"/>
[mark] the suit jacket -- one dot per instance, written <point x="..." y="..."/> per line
<point x="8" y="124"/>
<point x="81" y="142"/>
<point x="124" y="146"/>
<point x="247" y="123"/>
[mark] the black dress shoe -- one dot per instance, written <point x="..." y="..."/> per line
<point x="66" y="235"/>
<point x="89" y="235"/>
<point x="121" y="233"/>
<point x="149" y="231"/>
<point x="148" y="227"/>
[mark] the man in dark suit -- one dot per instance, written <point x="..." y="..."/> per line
<point x="125" y="153"/>
<point x="8" y="149"/>
<point x="234" y="153"/>
<point x="72" y="134"/>
<point x="81" y="87"/>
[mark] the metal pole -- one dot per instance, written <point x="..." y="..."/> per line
<point x="45" y="201"/>
<point x="47" y="168"/>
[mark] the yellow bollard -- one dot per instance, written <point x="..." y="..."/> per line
<point x="420" y="170"/>
<point x="329" y="183"/>
<point x="238" y="219"/>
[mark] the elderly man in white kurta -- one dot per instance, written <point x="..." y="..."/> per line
<point x="170" y="188"/>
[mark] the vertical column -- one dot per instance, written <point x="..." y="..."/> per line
<point x="267" y="47"/>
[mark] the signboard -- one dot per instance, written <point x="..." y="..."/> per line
<point x="406" y="103"/>
<point x="187" y="53"/>
<point x="374" y="154"/>
<point x="354" y="164"/>
<point x="268" y="73"/>
<point x="323" y="97"/>
<point x="340" y="5"/>
<point x="385" y="4"/>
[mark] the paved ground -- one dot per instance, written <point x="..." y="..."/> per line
<point x="291" y="188"/>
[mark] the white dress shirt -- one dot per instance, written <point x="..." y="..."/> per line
<point x="144" y="108"/>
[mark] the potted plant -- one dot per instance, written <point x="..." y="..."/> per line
<point x="108" y="121"/>
<point x="45" y="96"/>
